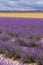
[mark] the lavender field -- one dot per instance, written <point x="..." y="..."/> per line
<point x="22" y="39"/>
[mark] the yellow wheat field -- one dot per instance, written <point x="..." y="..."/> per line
<point x="22" y="15"/>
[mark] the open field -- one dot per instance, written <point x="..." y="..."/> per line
<point x="22" y="15"/>
<point x="22" y="39"/>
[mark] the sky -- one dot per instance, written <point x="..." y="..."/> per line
<point x="21" y="5"/>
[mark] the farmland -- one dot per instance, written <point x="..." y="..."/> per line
<point x="22" y="39"/>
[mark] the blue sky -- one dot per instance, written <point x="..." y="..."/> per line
<point x="21" y="5"/>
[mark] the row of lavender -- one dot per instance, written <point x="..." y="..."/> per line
<point x="22" y="39"/>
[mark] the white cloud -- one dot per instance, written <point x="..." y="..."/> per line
<point x="11" y="2"/>
<point x="40" y="2"/>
